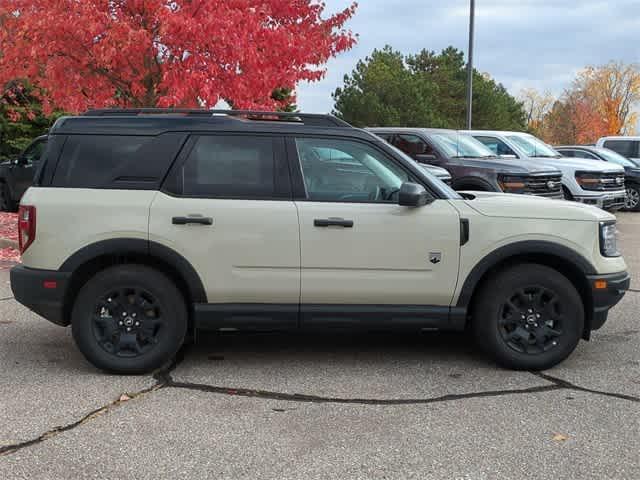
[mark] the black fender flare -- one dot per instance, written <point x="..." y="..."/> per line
<point x="521" y="248"/>
<point x="123" y="247"/>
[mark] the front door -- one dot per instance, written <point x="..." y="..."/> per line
<point x="359" y="248"/>
<point x="227" y="209"/>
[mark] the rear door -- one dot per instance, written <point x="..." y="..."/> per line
<point x="226" y="207"/>
<point x="359" y="248"/>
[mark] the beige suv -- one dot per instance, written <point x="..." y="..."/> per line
<point x="144" y="226"/>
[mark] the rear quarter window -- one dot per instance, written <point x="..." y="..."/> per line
<point x="115" y="161"/>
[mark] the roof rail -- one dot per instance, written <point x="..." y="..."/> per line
<point x="311" y="119"/>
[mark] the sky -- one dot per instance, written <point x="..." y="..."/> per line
<point x="521" y="43"/>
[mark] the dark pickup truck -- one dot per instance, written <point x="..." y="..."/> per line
<point x="472" y="165"/>
<point x="16" y="175"/>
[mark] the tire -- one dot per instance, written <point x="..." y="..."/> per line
<point x="6" y="202"/>
<point x="633" y="198"/>
<point x="552" y="310"/>
<point x="133" y="297"/>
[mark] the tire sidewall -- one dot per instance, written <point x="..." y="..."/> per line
<point x="486" y="327"/>
<point x="636" y="188"/>
<point x="171" y="304"/>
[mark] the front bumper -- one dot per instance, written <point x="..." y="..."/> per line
<point x="606" y="201"/>
<point x="604" y="299"/>
<point x="42" y="291"/>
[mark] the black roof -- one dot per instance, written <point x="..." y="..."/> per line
<point x="157" y="121"/>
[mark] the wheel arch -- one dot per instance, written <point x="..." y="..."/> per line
<point x="93" y="258"/>
<point x="558" y="257"/>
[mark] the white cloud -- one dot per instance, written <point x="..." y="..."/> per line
<point x="525" y="43"/>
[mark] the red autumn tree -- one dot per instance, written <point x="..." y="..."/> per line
<point x="182" y="53"/>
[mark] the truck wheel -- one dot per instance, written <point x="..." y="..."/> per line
<point x="6" y="202"/>
<point x="129" y="319"/>
<point x="528" y="317"/>
<point x="632" y="203"/>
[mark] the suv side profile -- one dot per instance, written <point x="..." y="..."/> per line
<point x="16" y="175"/>
<point x="586" y="181"/>
<point x="628" y="147"/>
<point x="471" y="165"/>
<point x="186" y="220"/>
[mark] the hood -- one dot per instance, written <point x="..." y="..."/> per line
<point x="509" y="165"/>
<point x="494" y="204"/>
<point x="582" y="164"/>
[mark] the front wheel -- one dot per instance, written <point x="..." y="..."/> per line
<point x="129" y="319"/>
<point x="632" y="203"/>
<point x="528" y="317"/>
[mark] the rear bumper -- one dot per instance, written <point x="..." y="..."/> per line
<point x="605" y="299"/>
<point x="41" y="291"/>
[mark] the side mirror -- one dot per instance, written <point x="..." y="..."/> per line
<point x="413" y="195"/>
<point x="424" y="157"/>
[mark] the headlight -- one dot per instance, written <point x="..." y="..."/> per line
<point x="512" y="184"/>
<point x="608" y="240"/>
<point x="589" y="181"/>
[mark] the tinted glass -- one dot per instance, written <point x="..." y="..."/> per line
<point x="587" y="155"/>
<point x="496" y="145"/>
<point x="230" y="166"/>
<point x="626" y="148"/>
<point x="34" y="151"/>
<point x="460" y="145"/>
<point x="346" y="171"/>
<point x="94" y="161"/>
<point x="532" y="146"/>
<point x="413" y="145"/>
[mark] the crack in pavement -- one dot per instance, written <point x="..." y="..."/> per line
<point x="164" y="380"/>
<point x="5" y="299"/>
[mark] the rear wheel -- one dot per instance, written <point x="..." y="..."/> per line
<point x="129" y="319"/>
<point x="632" y="202"/>
<point x="528" y="317"/>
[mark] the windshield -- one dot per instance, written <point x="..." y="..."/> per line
<point x="533" y="147"/>
<point x="460" y="145"/>
<point x="615" y="157"/>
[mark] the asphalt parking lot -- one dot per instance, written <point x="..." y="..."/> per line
<point x="334" y="407"/>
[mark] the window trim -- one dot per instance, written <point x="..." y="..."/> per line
<point x="282" y="184"/>
<point x="297" y="178"/>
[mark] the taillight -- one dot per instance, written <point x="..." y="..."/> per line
<point x="26" y="226"/>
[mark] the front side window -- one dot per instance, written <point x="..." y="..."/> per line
<point x="497" y="146"/>
<point x="348" y="171"/>
<point x="413" y="145"/>
<point x="532" y="147"/>
<point x="626" y="148"/>
<point x="230" y="166"/>
<point x="460" y="145"/>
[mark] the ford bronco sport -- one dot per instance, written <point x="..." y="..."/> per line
<point x="144" y="226"/>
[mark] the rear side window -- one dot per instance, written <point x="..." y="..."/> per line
<point x="233" y="166"/>
<point x="626" y="148"/>
<point x="115" y="161"/>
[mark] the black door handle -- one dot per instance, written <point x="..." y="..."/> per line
<point x="195" y="220"/>
<point x="330" y="222"/>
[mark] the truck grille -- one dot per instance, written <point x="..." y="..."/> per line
<point x="612" y="181"/>
<point x="545" y="185"/>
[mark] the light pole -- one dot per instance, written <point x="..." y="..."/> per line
<point x="472" y="15"/>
